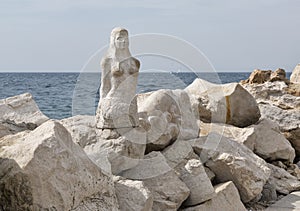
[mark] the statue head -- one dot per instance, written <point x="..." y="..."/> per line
<point x="119" y="38"/>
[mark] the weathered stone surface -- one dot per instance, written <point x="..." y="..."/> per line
<point x="178" y="154"/>
<point x="58" y="174"/>
<point x="227" y="103"/>
<point x="19" y="113"/>
<point x="166" y="116"/>
<point x="114" y="155"/>
<point x="278" y="75"/>
<point x="167" y="189"/>
<point x="289" y="203"/>
<point x="133" y="195"/>
<point x="274" y="93"/>
<point x="264" y="138"/>
<point x="295" y="77"/>
<point x="288" y="121"/>
<point x="262" y="76"/>
<point x="82" y="129"/>
<point x="280" y="102"/>
<point x="269" y="194"/>
<point x="15" y="187"/>
<point x="117" y="106"/>
<point x="283" y="181"/>
<point x="227" y="198"/>
<point x="270" y="144"/>
<point x="240" y="135"/>
<point x="181" y="157"/>
<point x="294" y="89"/>
<point x="196" y="179"/>
<point x="259" y="76"/>
<point x="232" y="161"/>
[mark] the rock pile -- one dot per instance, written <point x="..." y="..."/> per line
<point x="208" y="147"/>
<point x="261" y="76"/>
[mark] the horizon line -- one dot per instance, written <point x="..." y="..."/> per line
<point x="222" y="71"/>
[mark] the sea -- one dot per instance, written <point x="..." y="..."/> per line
<point x="62" y="95"/>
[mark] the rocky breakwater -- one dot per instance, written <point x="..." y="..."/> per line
<point x="208" y="147"/>
<point x="279" y="101"/>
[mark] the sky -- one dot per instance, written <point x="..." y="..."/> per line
<point x="234" y="35"/>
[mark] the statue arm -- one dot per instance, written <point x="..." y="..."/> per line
<point x="105" y="77"/>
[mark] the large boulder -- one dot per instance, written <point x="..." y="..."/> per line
<point x="259" y="76"/>
<point x="133" y="195"/>
<point x="181" y="157"/>
<point x="82" y="129"/>
<point x="168" y="191"/>
<point x="240" y="135"/>
<point x="233" y="161"/>
<point x="19" y="113"/>
<point x="196" y="179"/>
<point x="288" y="121"/>
<point x="227" y="198"/>
<point x="112" y="150"/>
<point x="227" y="103"/>
<point x="178" y="154"/>
<point x="264" y="138"/>
<point x="115" y="153"/>
<point x="166" y="115"/>
<point x="270" y="144"/>
<point x="295" y="77"/>
<point x="57" y="174"/>
<point x="283" y="181"/>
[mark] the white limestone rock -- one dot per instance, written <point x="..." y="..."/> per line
<point x="82" y="129"/>
<point x="168" y="191"/>
<point x="133" y="195"/>
<point x="196" y="179"/>
<point x="288" y="121"/>
<point x="166" y="115"/>
<point x="227" y="198"/>
<point x="274" y="93"/>
<point x="241" y="135"/>
<point x="181" y="157"/>
<point x="117" y="106"/>
<point x="283" y="181"/>
<point x="19" y="113"/>
<point x="270" y="144"/>
<point x="59" y="174"/>
<point x="227" y="103"/>
<point x="117" y="154"/>
<point x="264" y="138"/>
<point x="232" y="161"/>
<point x="178" y="154"/>
<point x="295" y="77"/>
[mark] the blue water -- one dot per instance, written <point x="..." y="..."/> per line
<point x="61" y="95"/>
